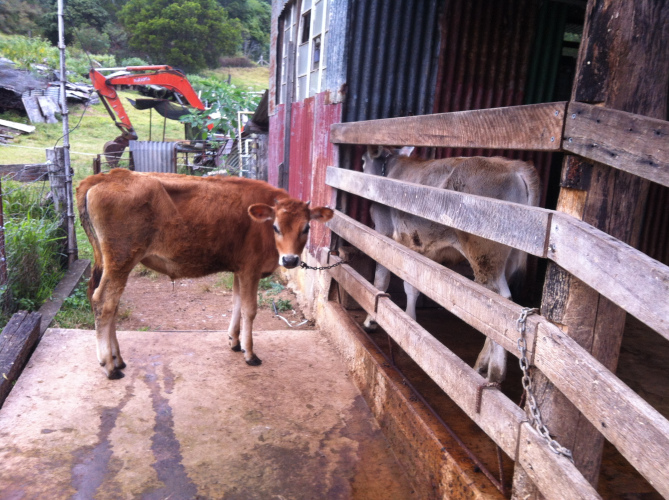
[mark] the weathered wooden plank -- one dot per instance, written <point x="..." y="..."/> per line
<point x="27" y="129"/>
<point x="499" y="417"/>
<point x="25" y="173"/>
<point x="634" y="427"/>
<point x="535" y="127"/>
<point x="512" y="224"/>
<point x="633" y="143"/>
<point x="481" y="308"/>
<point x="626" y="276"/>
<point x="539" y="461"/>
<point x="16" y="342"/>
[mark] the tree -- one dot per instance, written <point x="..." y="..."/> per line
<point x="189" y="34"/>
<point x="84" y="14"/>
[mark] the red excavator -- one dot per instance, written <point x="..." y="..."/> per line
<point x="163" y="76"/>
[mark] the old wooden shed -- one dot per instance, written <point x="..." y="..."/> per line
<point x="579" y="88"/>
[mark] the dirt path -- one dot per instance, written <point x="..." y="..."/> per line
<point x="152" y="302"/>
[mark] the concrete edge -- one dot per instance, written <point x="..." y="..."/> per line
<point x="435" y="464"/>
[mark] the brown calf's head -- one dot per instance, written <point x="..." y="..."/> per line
<point x="290" y="220"/>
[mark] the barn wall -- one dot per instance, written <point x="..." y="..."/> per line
<point x="392" y="67"/>
<point x="301" y="143"/>
<point x="276" y="135"/>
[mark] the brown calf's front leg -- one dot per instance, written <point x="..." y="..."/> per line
<point x="248" y="288"/>
<point x="105" y="300"/>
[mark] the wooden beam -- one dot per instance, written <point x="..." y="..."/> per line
<point x="488" y="312"/>
<point x="499" y="417"/>
<point x="535" y="127"/>
<point x="639" y="432"/>
<point x="515" y="225"/>
<point x="626" y="276"/>
<point x="17" y="340"/>
<point x="623" y="43"/>
<point x="634" y="143"/>
<point x="635" y="428"/>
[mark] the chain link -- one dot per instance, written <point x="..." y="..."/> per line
<point x="534" y="412"/>
<point x="305" y="266"/>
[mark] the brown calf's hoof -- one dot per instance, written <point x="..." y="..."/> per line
<point x="237" y="348"/>
<point x="254" y="361"/>
<point x="116" y="374"/>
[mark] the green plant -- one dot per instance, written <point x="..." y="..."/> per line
<point x="283" y="305"/>
<point x="33" y="237"/>
<point x="76" y="311"/>
<point x="222" y="101"/>
<point x="225" y="280"/>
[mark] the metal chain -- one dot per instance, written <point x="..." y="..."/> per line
<point x="534" y="412"/>
<point x="305" y="266"/>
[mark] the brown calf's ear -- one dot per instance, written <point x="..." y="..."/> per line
<point x="261" y="212"/>
<point x="321" y="214"/>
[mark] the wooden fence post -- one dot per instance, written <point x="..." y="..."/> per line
<point x="3" y="252"/>
<point x="623" y="63"/>
<point x="61" y="191"/>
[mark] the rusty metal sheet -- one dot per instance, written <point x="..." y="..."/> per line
<point x="153" y="156"/>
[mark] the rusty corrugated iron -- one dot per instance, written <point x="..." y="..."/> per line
<point x="392" y="65"/>
<point x="301" y="142"/>
<point x="152" y="156"/>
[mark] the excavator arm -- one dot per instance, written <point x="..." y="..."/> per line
<point x="164" y="76"/>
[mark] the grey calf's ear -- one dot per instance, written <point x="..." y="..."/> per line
<point x="374" y="151"/>
<point x="321" y="214"/>
<point x="261" y="212"/>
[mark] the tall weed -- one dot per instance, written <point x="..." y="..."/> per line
<point x="33" y="237"/>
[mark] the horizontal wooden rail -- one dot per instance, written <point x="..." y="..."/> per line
<point x="626" y="276"/>
<point x="499" y="417"/>
<point x="634" y="143"/>
<point x="515" y="225"/>
<point x="635" y="428"/>
<point x="488" y="312"/>
<point x="535" y="127"/>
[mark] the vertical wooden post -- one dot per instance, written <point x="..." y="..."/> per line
<point x="3" y="253"/>
<point x="61" y="192"/>
<point x="623" y="64"/>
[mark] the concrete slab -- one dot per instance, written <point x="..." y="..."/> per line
<point x="192" y="420"/>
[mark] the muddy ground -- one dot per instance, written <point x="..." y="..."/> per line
<point x="151" y="301"/>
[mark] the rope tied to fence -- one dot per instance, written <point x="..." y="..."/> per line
<point x="534" y="413"/>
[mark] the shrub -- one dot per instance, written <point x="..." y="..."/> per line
<point x="33" y="236"/>
<point x="236" y="62"/>
<point x="133" y="61"/>
<point x="222" y="102"/>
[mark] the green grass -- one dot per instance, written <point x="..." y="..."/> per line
<point x="76" y="311"/>
<point x="256" y="78"/>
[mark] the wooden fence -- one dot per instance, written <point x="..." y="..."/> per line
<point x="629" y="278"/>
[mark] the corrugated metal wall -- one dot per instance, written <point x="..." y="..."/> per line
<point x="393" y="54"/>
<point x="152" y="156"/>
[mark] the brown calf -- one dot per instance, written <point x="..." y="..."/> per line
<point x="187" y="227"/>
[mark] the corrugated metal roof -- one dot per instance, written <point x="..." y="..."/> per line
<point x="152" y="156"/>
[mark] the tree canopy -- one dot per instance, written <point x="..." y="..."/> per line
<point x="188" y="34"/>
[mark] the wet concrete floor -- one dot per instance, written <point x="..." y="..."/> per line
<point x="191" y="420"/>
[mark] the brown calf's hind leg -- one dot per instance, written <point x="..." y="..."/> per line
<point x="248" y="286"/>
<point x="233" y="329"/>
<point x="105" y="302"/>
